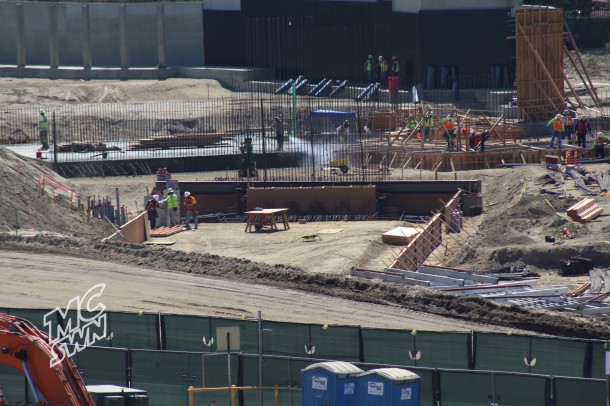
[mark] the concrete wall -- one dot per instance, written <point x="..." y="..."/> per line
<point x="119" y="35"/>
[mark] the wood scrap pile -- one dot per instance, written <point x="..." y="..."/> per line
<point x="191" y="140"/>
<point x="399" y="235"/>
<point x="16" y="137"/>
<point x="584" y="211"/>
<point x="85" y="147"/>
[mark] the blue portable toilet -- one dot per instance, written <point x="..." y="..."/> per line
<point x="388" y="387"/>
<point x="332" y="383"/>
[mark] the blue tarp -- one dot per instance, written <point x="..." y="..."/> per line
<point x="344" y="115"/>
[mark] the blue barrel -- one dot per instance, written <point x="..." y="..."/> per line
<point x="332" y="383"/>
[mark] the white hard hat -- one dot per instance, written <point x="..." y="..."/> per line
<point x="558" y="116"/>
<point x="156" y="197"/>
<point x="370" y="56"/>
<point x="41" y="111"/>
<point x="170" y="190"/>
<point x="381" y="58"/>
<point x="600" y="134"/>
<point x="448" y="116"/>
<point x="187" y="194"/>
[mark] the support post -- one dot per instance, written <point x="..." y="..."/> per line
<point x="53" y="43"/>
<point x="161" y="36"/>
<point x="20" y="34"/>
<point x="86" y="37"/>
<point x="123" y="41"/>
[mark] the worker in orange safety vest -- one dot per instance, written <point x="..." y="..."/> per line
<point x="558" y="129"/>
<point x="190" y="210"/>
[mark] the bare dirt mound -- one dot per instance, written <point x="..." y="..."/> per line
<point x="465" y="308"/>
<point x="22" y="205"/>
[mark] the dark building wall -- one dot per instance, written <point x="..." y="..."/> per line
<point x="321" y="39"/>
<point x="471" y="40"/>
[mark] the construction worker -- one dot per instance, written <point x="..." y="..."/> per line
<point x="343" y="131"/>
<point x="428" y="123"/>
<point x="411" y="123"/>
<point x="43" y="128"/>
<point x="151" y="209"/>
<point x="558" y="129"/>
<point x="449" y="125"/>
<point x="383" y="69"/>
<point x="582" y="128"/>
<point x="395" y="68"/>
<point x="369" y="65"/>
<point x="600" y="145"/>
<point x="278" y="126"/>
<point x="190" y="210"/>
<point x="568" y="123"/>
<point x="172" y="207"/>
<point x="477" y="139"/>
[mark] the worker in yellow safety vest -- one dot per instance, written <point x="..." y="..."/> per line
<point x="428" y="124"/>
<point x="558" y="129"/>
<point x="43" y="128"/>
<point x="172" y="207"/>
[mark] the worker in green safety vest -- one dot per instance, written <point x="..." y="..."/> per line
<point x="368" y="69"/>
<point x="43" y="128"/>
<point x="172" y="207"/>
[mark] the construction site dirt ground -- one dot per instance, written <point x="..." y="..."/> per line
<point x="221" y="270"/>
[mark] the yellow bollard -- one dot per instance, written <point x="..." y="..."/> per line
<point x="276" y="396"/>
<point x="232" y="395"/>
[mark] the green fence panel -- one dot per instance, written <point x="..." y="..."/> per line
<point x="248" y="333"/>
<point x="186" y="333"/>
<point x="440" y="350"/>
<point x="517" y="353"/>
<point x="164" y="375"/>
<point x="334" y="342"/>
<point x="598" y="360"/>
<point x="578" y="391"/>
<point x="14" y="384"/>
<point x="34" y="316"/>
<point x="470" y="388"/>
<point x="215" y="369"/>
<point x="285" y="338"/>
<point x="133" y="330"/>
<point x="416" y="348"/>
<point x="559" y="356"/>
<point x="102" y="366"/>
<point x="386" y="346"/>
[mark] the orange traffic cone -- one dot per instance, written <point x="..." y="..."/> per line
<point x="575" y="157"/>
<point x="568" y="157"/>
<point x="38" y="156"/>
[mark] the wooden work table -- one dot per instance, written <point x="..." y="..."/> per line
<point x="266" y="218"/>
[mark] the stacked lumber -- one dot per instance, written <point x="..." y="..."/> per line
<point x="399" y="235"/>
<point x="584" y="211"/>
<point x="77" y="146"/>
<point x="166" y="231"/>
<point x="192" y="140"/>
<point x="384" y="121"/>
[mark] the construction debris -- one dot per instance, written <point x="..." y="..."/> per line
<point x="399" y="235"/>
<point x="575" y="266"/>
<point x="192" y="140"/>
<point x="584" y="211"/>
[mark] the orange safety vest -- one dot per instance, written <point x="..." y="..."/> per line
<point x="189" y="203"/>
<point x="558" y="125"/>
<point x="449" y="124"/>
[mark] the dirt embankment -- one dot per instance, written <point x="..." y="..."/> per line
<point x="465" y="308"/>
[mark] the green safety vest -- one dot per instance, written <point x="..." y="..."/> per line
<point x="172" y="201"/>
<point x="368" y="65"/>
<point x="44" y="123"/>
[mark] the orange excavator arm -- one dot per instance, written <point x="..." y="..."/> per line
<point x="27" y="349"/>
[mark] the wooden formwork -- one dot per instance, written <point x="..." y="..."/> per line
<point x="540" y="76"/>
